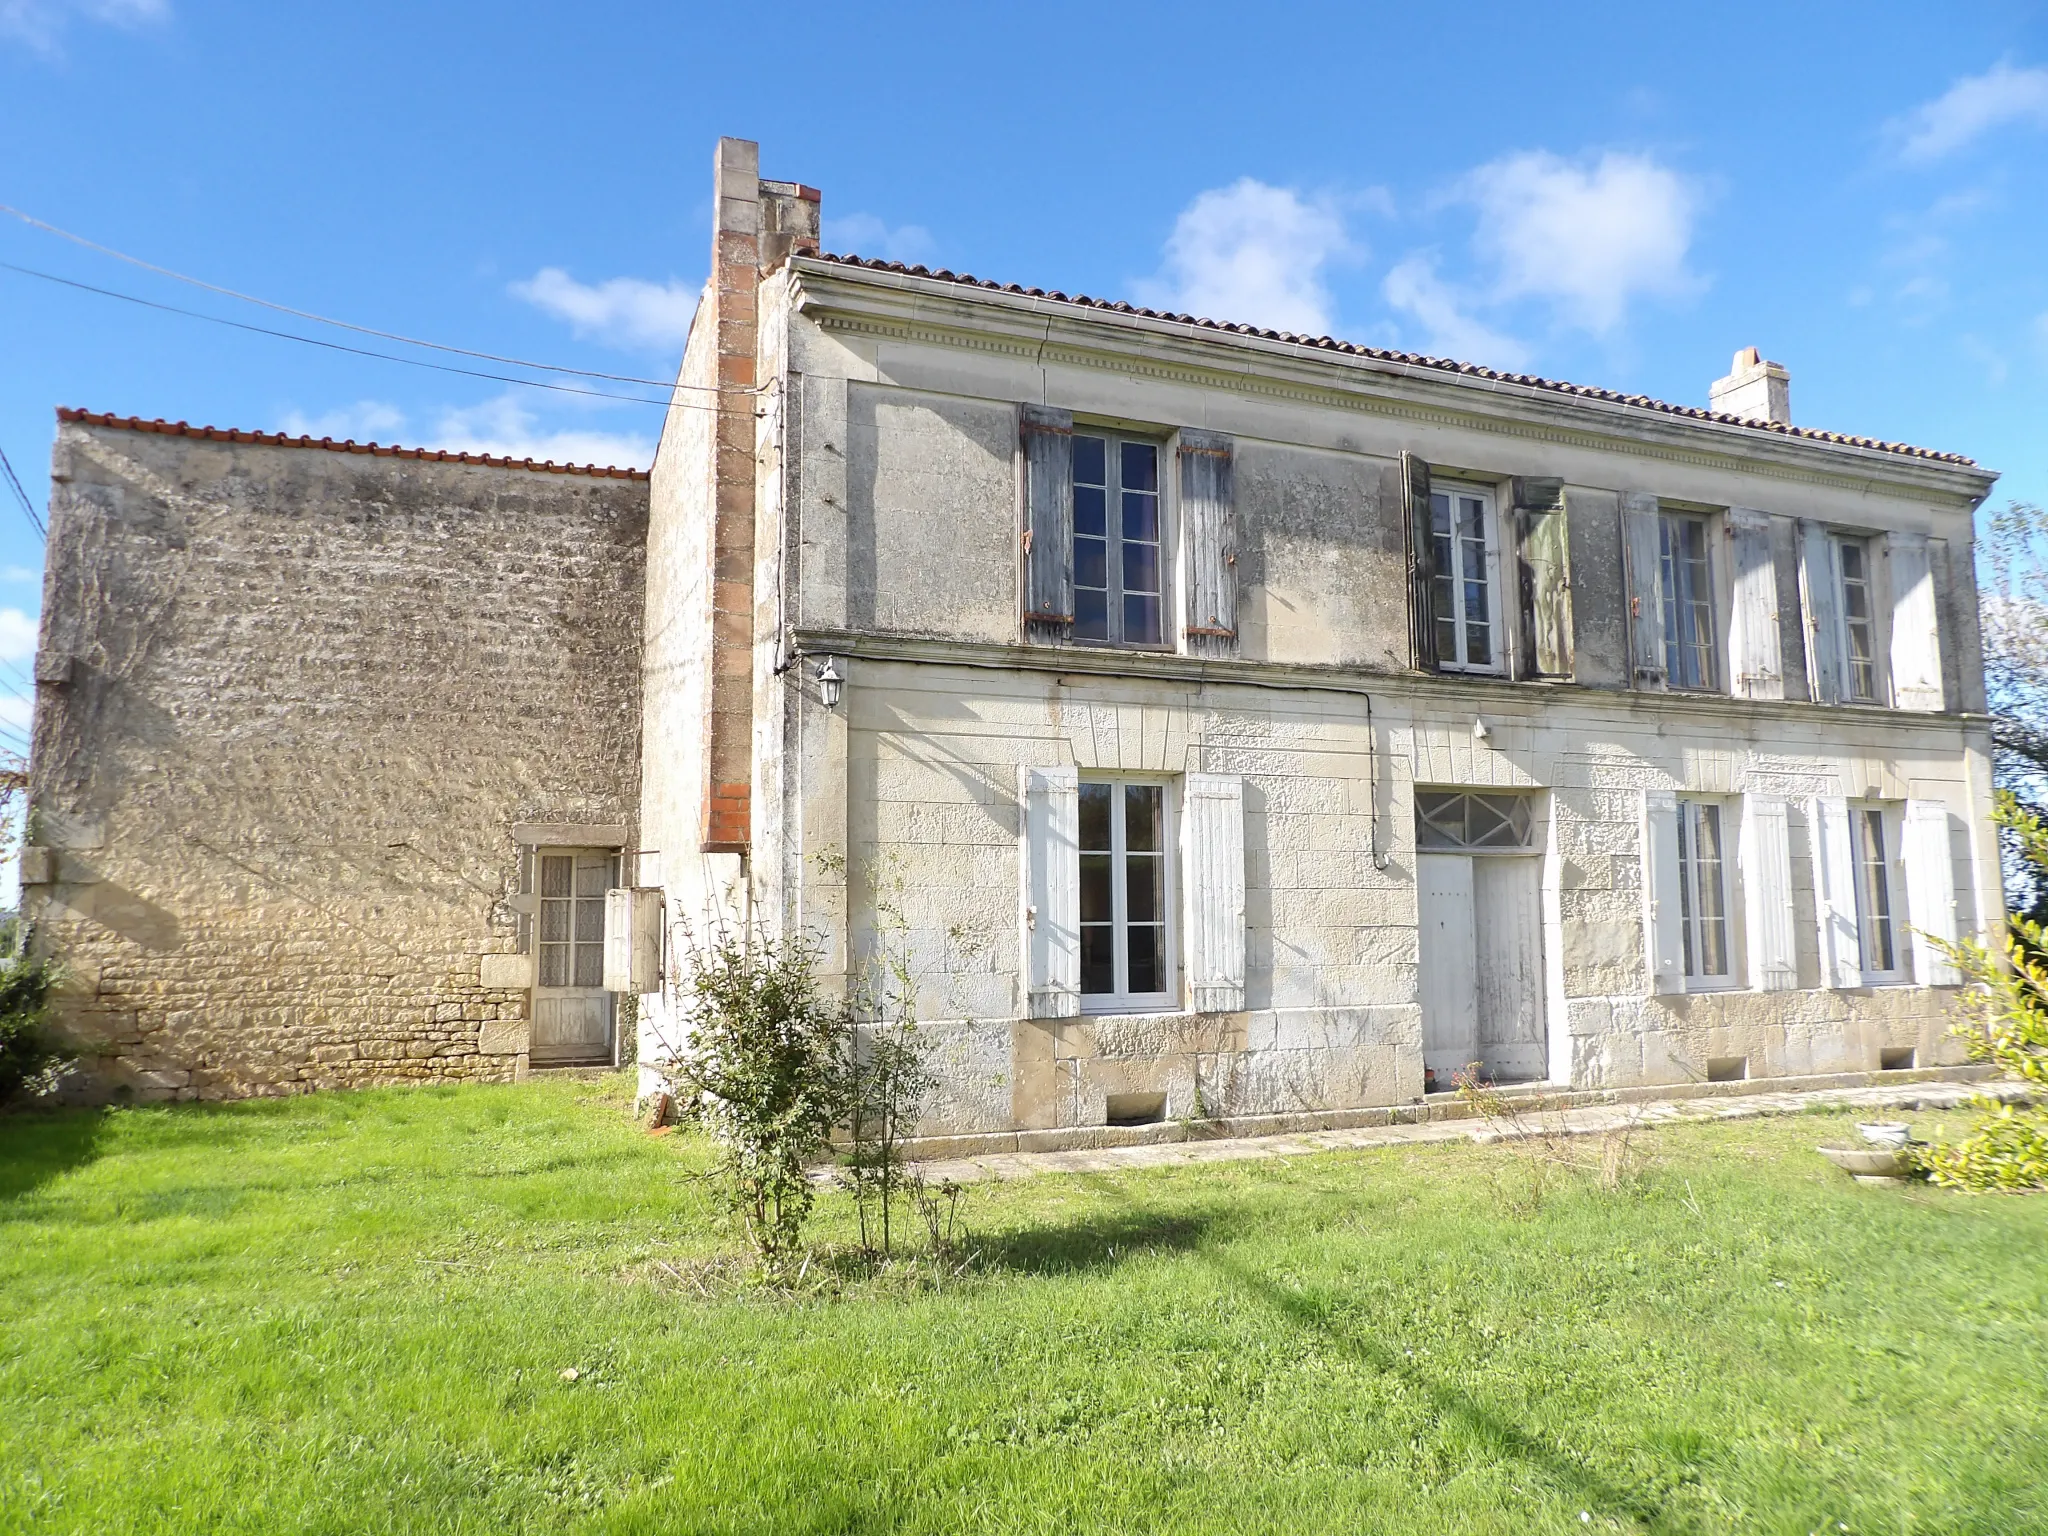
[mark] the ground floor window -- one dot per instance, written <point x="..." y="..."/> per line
<point x="1703" y="891"/>
<point x="1875" y="937"/>
<point x="1126" y="928"/>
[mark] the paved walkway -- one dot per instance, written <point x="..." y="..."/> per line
<point x="1588" y="1120"/>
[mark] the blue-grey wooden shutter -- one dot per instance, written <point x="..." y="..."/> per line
<point x="1916" y="625"/>
<point x="1048" y="537"/>
<point x="1048" y="849"/>
<point x="1766" y="854"/>
<point x="1208" y="513"/>
<point x="1642" y="550"/>
<point x="1212" y="865"/>
<point x="1663" y="914"/>
<point x="1544" y="560"/>
<point x="1930" y="892"/>
<point x="1755" y="660"/>
<point x="1834" y="891"/>
<point x="1821" y="599"/>
<point x="1415" y="521"/>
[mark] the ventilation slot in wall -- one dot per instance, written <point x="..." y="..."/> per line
<point x="1137" y="1108"/>
<point x="1900" y="1060"/>
<point x="1727" y="1069"/>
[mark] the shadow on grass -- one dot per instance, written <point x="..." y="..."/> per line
<point x="1098" y="1243"/>
<point x="41" y="1145"/>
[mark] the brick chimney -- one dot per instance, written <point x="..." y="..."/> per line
<point x="1754" y="390"/>
<point x="756" y="226"/>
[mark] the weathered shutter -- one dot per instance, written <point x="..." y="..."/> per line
<point x="1834" y="892"/>
<point x="1821" y="598"/>
<point x="1756" y="662"/>
<point x="1916" y="631"/>
<point x="1208" y="512"/>
<point x="1415" y="519"/>
<point x="1930" y="892"/>
<point x="1212" y="864"/>
<point x="1766" y="851"/>
<point x="647" y="934"/>
<point x="1049" y="852"/>
<point x="1542" y="536"/>
<point x="1663" y="940"/>
<point x="1643" y="555"/>
<point x="618" y="939"/>
<point x="1048" y="555"/>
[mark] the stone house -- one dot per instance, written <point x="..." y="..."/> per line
<point x="1222" y="723"/>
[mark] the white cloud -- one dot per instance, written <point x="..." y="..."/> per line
<point x="17" y="634"/>
<point x="367" y="421"/>
<point x="21" y="573"/>
<point x="504" y="426"/>
<point x="1252" y="254"/>
<point x="1414" y="288"/>
<point x="1971" y="107"/>
<point x="621" y="311"/>
<point x="17" y="709"/>
<point x="1588" y="239"/>
<point x="862" y="234"/>
<point x="41" y="23"/>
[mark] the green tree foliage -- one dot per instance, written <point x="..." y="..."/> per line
<point x="26" y="1053"/>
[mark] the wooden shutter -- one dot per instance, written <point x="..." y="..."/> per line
<point x="1543" y="539"/>
<point x="1208" y="512"/>
<point x="1834" y="892"/>
<point x="1212" y="886"/>
<point x="1766" y="854"/>
<point x="1930" y="892"/>
<point x="1415" y="520"/>
<point x="1049" y="852"/>
<point x="647" y="935"/>
<point x="1820" y="596"/>
<point x="1048" y="555"/>
<point x="1663" y="940"/>
<point x="618" y="939"/>
<point x="1755" y="659"/>
<point x="1642" y="554"/>
<point x="1916" y="632"/>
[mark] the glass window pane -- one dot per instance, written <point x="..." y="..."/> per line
<point x="1141" y="888"/>
<point x="1141" y="621"/>
<point x="1141" y="467"/>
<point x="1096" y="900"/>
<point x="1141" y="517"/>
<point x="554" y="965"/>
<point x="589" y="921"/>
<point x="1090" y="461"/>
<point x="1091" y="563"/>
<point x="589" y="965"/>
<point x="1098" y="958"/>
<point x="1145" y="965"/>
<point x="1095" y="800"/>
<point x="1141" y="568"/>
<point x="1439" y="515"/>
<point x="554" y="875"/>
<point x="1874" y="891"/>
<point x="1142" y="803"/>
<point x="593" y="876"/>
<point x="554" y="921"/>
<point x="1091" y="615"/>
<point x="1091" y="510"/>
<point x="1712" y="893"/>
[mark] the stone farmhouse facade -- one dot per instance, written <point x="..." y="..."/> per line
<point x="1219" y="724"/>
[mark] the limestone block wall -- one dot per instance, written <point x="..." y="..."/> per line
<point x="298" y="702"/>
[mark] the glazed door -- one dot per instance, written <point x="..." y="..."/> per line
<point x="572" y="1012"/>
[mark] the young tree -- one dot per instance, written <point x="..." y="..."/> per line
<point x="2013" y="599"/>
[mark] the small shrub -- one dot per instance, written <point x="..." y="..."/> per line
<point x="26" y="1052"/>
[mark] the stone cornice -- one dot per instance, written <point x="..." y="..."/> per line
<point x="1043" y="330"/>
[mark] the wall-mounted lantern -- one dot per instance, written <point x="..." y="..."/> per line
<point x="829" y="680"/>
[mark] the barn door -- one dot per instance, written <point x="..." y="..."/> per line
<point x="572" y="1011"/>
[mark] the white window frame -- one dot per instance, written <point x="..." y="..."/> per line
<point x="1489" y="498"/>
<point x="1691" y="921"/>
<point x="1891" y="829"/>
<point x="1668" y="598"/>
<point x="1163" y="462"/>
<point x="1432" y="836"/>
<point x="1880" y="683"/>
<point x="1122" y="1000"/>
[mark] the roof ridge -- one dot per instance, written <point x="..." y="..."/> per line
<point x="1411" y="359"/>
<point x="347" y="445"/>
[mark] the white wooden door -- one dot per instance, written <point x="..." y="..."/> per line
<point x="1507" y="907"/>
<point x="572" y="1012"/>
<point x="1450" y="997"/>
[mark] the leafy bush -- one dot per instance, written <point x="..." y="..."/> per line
<point x="2008" y="1147"/>
<point x="26" y="1053"/>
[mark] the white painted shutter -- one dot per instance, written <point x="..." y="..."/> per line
<point x="1916" y="632"/>
<point x="1834" y="892"/>
<point x="1766" y="853"/>
<point x="1756" y="661"/>
<point x="1208" y="512"/>
<point x="618" y="939"/>
<point x="1663" y="935"/>
<point x="647" y="933"/>
<point x="1820" y="599"/>
<point x="1212" y="886"/>
<point x="1930" y="892"/>
<point x="1641" y="533"/>
<point x="1050" y="853"/>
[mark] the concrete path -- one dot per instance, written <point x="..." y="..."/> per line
<point x="1588" y="1120"/>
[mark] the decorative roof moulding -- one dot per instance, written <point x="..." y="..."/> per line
<point x="349" y="445"/>
<point x="1408" y="359"/>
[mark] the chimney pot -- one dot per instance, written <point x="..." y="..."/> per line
<point x="1754" y="389"/>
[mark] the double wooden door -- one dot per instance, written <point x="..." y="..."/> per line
<point x="1482" y="965"/>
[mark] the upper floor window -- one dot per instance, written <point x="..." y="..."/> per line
<point x="1118" y="587"/>
<point x="1703" y="892"/>
<point x="1124" y="907"/>
<point x="1876" y="938"/>
<point x="1686" y="572"/>
<point x="1859" y="620"/>
<point x="1465" y="599"/>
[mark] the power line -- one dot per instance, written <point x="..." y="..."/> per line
<point x="28" y="507"/>
<point x="388" y="357"/>
<point x="306" y="314"/>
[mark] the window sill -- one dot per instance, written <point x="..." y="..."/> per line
<point x="1129" y="1007"/>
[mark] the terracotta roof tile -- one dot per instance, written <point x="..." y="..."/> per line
<point x="1409" y="359"/>
<point x="379" y="450"/>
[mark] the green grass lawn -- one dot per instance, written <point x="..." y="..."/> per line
<point x="352" y="1313"/>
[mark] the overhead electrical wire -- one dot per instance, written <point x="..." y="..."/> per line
<point x="307" y="314"/>
<point x="28" y="508"/>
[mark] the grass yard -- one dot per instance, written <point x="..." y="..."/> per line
<point x="352" y="1313"/>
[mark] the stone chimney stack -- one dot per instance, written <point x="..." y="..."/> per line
<point x="1754" y="390"/>
<point x="757" y="226"/>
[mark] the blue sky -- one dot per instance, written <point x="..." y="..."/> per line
<point x="1619" y="195"/>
